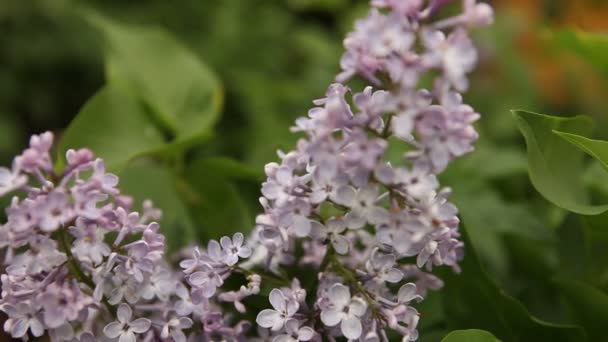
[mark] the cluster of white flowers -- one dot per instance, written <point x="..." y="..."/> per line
<point x="348" y="236"/>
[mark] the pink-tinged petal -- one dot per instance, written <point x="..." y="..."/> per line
<point x="301" y="226"/>
<point x="267" y="318"/>
<point x="426" y="253"/>
<point x="178" y="336"/>
<point x="185" y="323"/>
<point x="377" y="215"/>
<point x="292" y="307"/>
<point x="271" y="190"/>
<point x="113" y="330"/>
<point x="394" y="275"/>
<point x="368" y="194"/>
<point x="354" y="220"/>
<point x="345" y="195"/>
<point x="284" y="175"/>
<point x="238" y="239"/>
<point x="198" y="278"/>
<point x="214" y="250"/>
<point x="226" y="242"/>
<point x="127" y="336"/>
<point x="339" y="295"/>
<point x="245" y="252"/>
<point x="124" y="313"/>
<point x="351" y="328"/>
<point x="407" y="293"/>
<point x="306" y="334"/>
<point x="291" y="326"/>
<point x="284" y="338"/>
<point x="357" y="307"/>
<point x="140" y="325"/>
<point x="340" y="244"/>
<point x="336" y="225"/>
<point x="331" y="317"/>
<point x="19" y="328"/>
<point x="277" y="299"/>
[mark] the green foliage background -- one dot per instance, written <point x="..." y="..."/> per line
<point x="187" y="101"/>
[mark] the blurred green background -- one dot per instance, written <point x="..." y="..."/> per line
<point x="272" y="58"/>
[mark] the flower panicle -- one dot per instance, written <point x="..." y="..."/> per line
<point x="357" y="210"/>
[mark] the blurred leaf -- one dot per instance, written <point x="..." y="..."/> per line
<point x="115" y="126"/>
<point x="555" y="166"/>
<point x="215" y="201"/>
<point x="182" y="92"/>
<point x="159" y="185"/>
<point x="589" y="307"/>
<point x="598" y="149"/>
<point x="324" y="5"/>
<point x="596" y="253"/>
<point x="233" y="169"/>
<point x="488" y="213"/>
<point x="489" y="217"/>
<point x="471" y="335"/>
<point x="497" y="161"/>
<point x="473" y="300"/>
<point x="593" y="47"/>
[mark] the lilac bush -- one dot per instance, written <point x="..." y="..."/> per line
<point x="370" y="226"/>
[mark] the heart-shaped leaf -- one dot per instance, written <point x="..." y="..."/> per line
<point x="115" y="126"/>
<point x="181" y="91"/>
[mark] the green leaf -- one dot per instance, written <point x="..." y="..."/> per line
<point x="593" y="47"/>
<point x="472" y="300"/>
<point x="471" y="335"/>
<point x="216" y="200"/>
<point x="554" y="165"/>
<point x="183" y="93"/>
<point x="115" y="126"/>
<point x="589" y="306"/>
<point x="159" y="185"/>
<point x="598" y="149"/>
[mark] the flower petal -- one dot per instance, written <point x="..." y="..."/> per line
<point x="331" y="317"/>
<point x="267" y="318"/>
<point x="339" y="295"/>
<point x="113" y="330"/>
<point x="140" y="325"/>
<point x="124" y="313"/>
<point x="351" y="327"/>
<point x="277" y="300"/>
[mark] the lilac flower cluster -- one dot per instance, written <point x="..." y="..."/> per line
<point x="366" y="220"/>
<point x="365" y="225"/>
<point x="80" y="265"/>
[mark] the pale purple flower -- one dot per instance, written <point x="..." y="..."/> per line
<point x="276" y="318"/>
<point x="455" y="55"/>
<point x="364" y="208"/>
<point x="124" y="328"/>
<point x="206" y="281"/>
<point x="344" y="310"/>
<point x="53" y="211"/>
<point x="334" y="230"/>
<point x="21" y="319"/>
<point x="89" y="244"/>
<point x="11" y="180"/>
<point x="382" y="268"/>
<point x="173" y="328"/>
<point x="295" y="332"/>
<point x="234" y="248"/>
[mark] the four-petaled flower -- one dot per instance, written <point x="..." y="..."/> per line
<point x="284" y="309"/>
<point x="344" y="310"/>
<point x="125" y="329"/>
